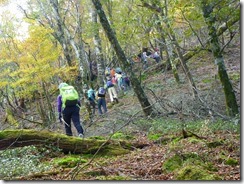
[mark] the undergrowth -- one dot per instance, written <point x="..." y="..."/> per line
<point x="22" y="161"/>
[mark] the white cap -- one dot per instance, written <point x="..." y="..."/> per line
<point x="62" y="85"/>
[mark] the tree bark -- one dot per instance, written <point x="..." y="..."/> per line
<point x="126" y="65"/>
<point x="98" y="49"/>
<point x="230" y="99"/>
<point x="23" y="137"/>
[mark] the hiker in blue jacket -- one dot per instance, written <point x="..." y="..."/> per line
<point x="68" y="112"/>
<point x="92" y="100"/>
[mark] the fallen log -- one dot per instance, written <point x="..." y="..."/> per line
<point x="26" y="137"/>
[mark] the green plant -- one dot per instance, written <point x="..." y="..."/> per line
<point x="21" y="161"/>
<point x="231" y="162"/>
<point x="69" y="161"/>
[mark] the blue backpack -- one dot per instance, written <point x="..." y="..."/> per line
<point x="109" y="84"/>
<point x="101" y="91"/>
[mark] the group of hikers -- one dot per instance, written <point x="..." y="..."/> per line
<point x="146" y="53"/>
<point x="68" y="102"/>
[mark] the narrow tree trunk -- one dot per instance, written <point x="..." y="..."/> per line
<point x="126" y="65"/>
<point x="230" y="99"/>
<point x="59" y="32"/>
<point x="98" y="49"/>
<point x="167" y="47"/>
<point x="173" y="41"/>
<point x="171" y="61"/>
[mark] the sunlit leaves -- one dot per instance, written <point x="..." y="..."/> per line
<point x="36" y="59"/>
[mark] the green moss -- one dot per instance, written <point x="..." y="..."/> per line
<point x="172" y="163"/>
<point x="29" y="133"/>
<point x="69" y="161"/>
<point x="154" y="137"/>
<point x="231" y="162"/>
<point x="177" y="161"/>
<point x="120" y="135"/>
<point x="190" y="172"/>
<point x="113" y="150"/>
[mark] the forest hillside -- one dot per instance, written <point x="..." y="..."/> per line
<point x="210" y="149"/>
<point x="178" y="119"/>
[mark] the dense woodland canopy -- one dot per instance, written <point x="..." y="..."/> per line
<point x="65" y="37"/>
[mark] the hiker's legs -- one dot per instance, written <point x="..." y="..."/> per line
<point x="115" y="96"/>
<point x="76" y="119"/>
<point x="127" y="84"/>
<point x="124" y="84"/>
<point x="110" y="94"/>
<point x="99" y="105"/>
<point x="145" y="64"/>
<point x="120" y="84"/>
<point x="114" y="92"/>
<point x="104" y="105"/>
<point x="93" y="105"/>
<point x="67" y="118"/>
<point x="157" y="59"/>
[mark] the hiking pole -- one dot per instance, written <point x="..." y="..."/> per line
<point x="64" y="122"/>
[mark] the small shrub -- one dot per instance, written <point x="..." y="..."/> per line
<point x="231" y="162"/>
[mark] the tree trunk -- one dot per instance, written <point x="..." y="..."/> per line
<point x="173" y="41"/>
<point x="230" y="99"/>
<point x="68" y="144"/>
<point x="126" y="65"/>
<point x="167" y="47"/>
<point x="98" y="49"/>
<point x="171" y="61"/>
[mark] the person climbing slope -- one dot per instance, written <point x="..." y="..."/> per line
<point x="101" y="101"/>
<point x="112" y="91"/>
<point x="68" y="106"/>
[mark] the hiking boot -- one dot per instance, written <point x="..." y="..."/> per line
<point x="81" y="135"/>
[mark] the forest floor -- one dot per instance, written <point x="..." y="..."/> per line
<point x="204" y="154"/>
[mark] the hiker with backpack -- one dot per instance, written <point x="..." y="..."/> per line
<point x="155" y="55"/>
<point x="68" y="106"/>
<point x="126" y="82"/>
<point x="119" y="79"/>
<point x="92" y="100"/>
<point x="101" y="101"/>
<point x="112" y="91"/>
<point x="143" y="57"/>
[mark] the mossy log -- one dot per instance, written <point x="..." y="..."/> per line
<point x="68" y="144"/>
